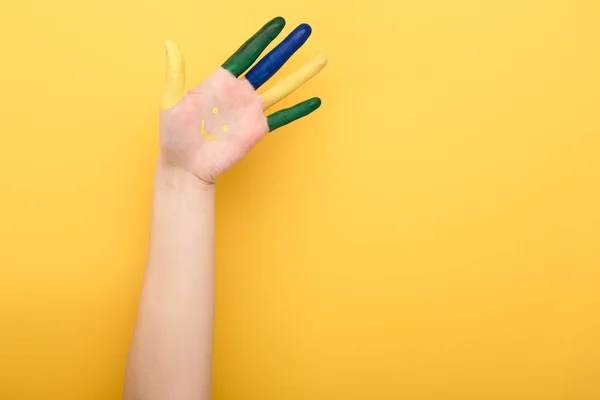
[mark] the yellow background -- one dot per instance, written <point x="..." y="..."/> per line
<point x="433" y="232"/>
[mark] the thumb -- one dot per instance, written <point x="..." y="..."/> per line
<point x="175" y="76"/>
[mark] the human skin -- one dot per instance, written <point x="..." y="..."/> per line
<point x="203" y="133"/>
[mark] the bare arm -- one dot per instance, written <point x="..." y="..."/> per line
<point x="170" y="356"/>
<point x="203" y="132"/>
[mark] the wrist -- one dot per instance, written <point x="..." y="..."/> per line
<point x="176" y="178"/>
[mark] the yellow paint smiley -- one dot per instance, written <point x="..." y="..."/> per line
<point x="209" y="136"/>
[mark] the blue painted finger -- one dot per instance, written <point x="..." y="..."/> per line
<point x="274" y="60"/>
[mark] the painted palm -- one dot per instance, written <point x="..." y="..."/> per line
<point x="209" y="128"/>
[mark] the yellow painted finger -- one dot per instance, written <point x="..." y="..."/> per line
<point x="292" y="82"/>
<point x="175" y="77"/>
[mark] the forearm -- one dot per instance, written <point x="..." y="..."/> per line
<point x="170" y="354"/>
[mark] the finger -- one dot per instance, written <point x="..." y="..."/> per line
<point x="175" y="77"/>
<point x="287" y="85"/>
<point x="245" y="56"/>
<point x="274" y="60"/>
<point x="285" y="116"/>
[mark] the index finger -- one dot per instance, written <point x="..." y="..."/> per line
<point x="249" y="52"/>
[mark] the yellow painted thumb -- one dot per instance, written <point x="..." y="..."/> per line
<point x="175" y="76"/>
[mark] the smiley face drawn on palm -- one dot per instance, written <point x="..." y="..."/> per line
<point x="209" y="128"/>
<point x="211" y="136"/>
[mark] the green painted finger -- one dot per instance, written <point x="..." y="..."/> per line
<point x="285" y="116"/>
<point x="245" y="56"/>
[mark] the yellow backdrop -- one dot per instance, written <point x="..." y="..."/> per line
<point x="432" y="232"/>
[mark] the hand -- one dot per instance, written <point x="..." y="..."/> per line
<point x="210" y="128"/>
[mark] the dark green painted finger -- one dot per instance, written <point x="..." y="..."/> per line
<point x="245" y="56"/>
<point x="285" y="116"/>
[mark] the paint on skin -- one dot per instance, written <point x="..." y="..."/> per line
<point x="290" y="83"/>
<point x="175" y="77"/>
<point x="209" y="136"/>
<point x="285" y="116"/>
<point x="249" y="52"/>
<point x="274" y="60"/>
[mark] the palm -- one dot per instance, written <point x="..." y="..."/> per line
<point x="213" y="126"/>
